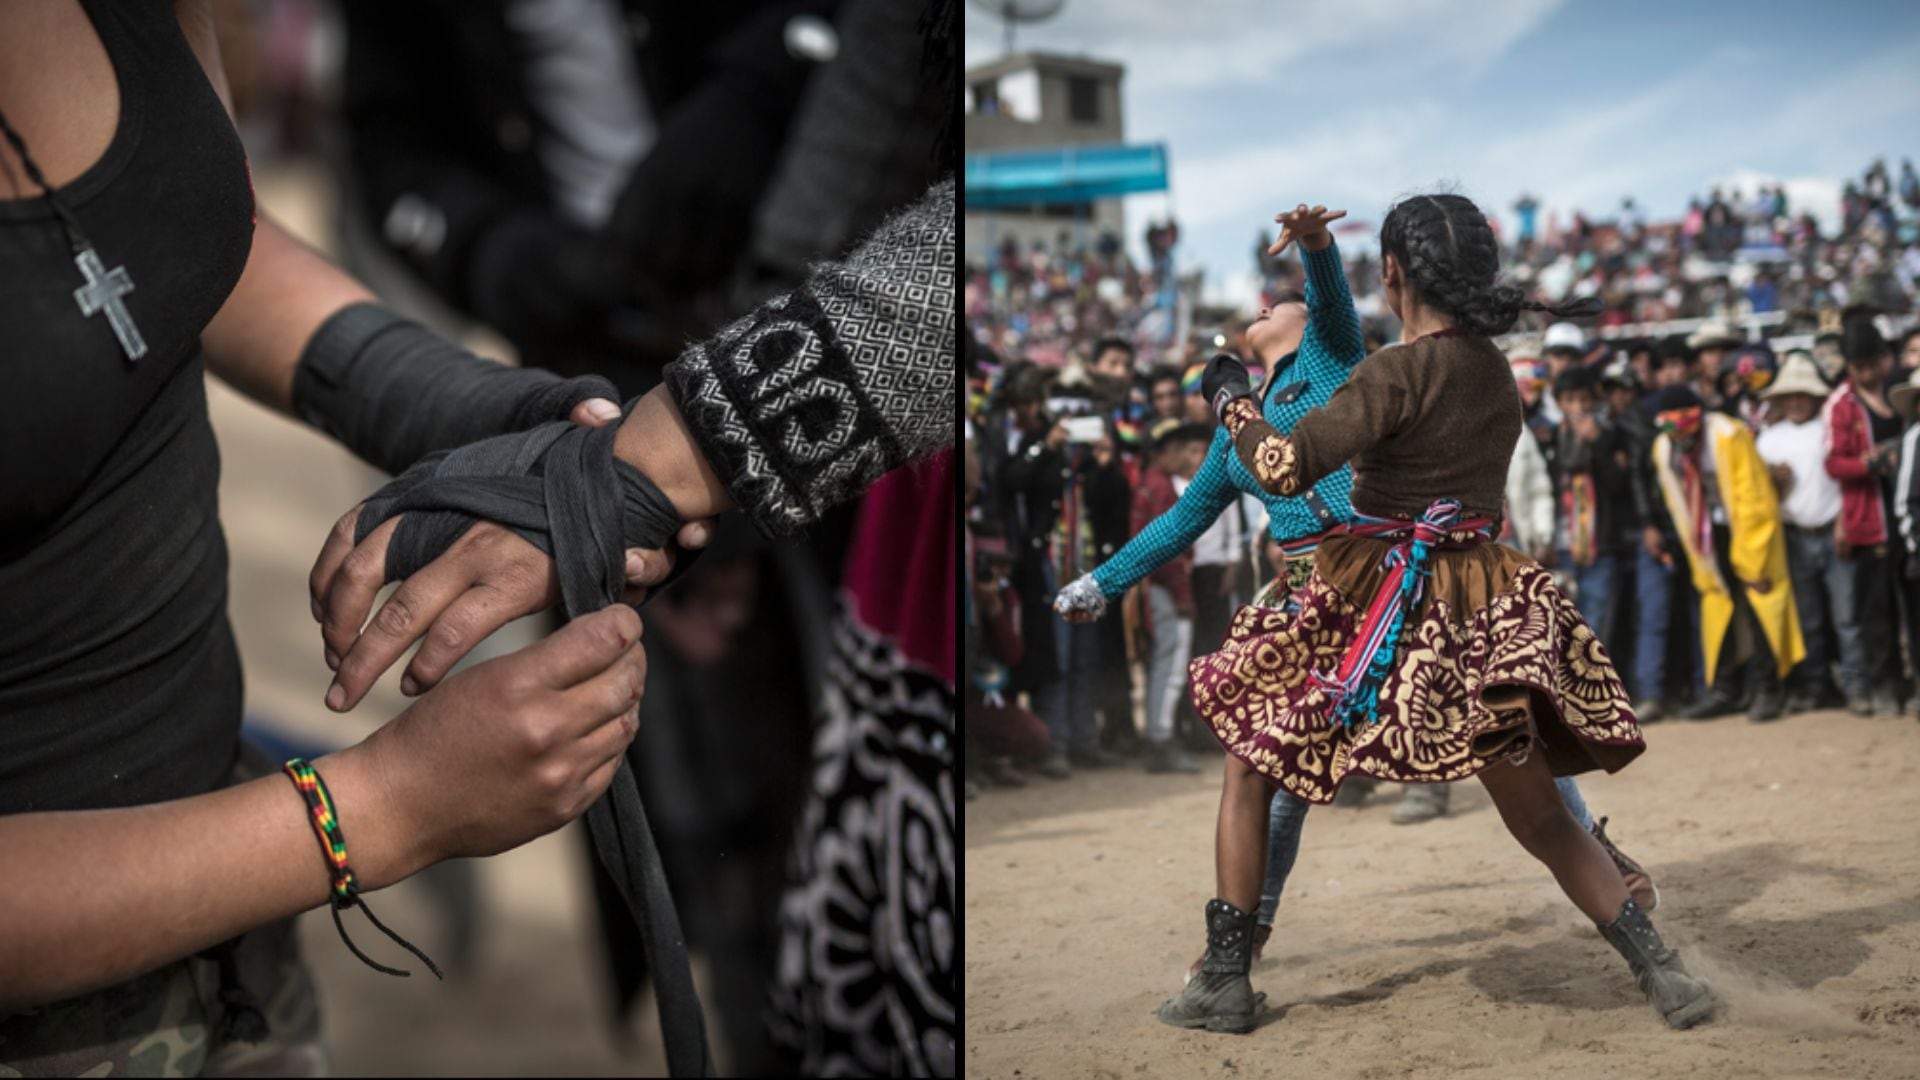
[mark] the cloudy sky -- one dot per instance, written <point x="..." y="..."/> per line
<point x="1354" y="102"/>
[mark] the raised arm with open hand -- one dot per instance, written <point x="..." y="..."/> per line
<point x="1306" y="225"/>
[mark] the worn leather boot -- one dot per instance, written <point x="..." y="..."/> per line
<point x="1680" y="998"/>
<point x="1221" y="997"/>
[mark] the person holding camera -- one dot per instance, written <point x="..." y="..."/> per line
<point x="1064" y="476"/>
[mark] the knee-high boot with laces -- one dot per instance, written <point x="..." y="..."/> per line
<point x="1220" y="997"/>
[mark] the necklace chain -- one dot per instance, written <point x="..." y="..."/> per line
<point x="68" y="223"/>
<point x="103" y="289"/>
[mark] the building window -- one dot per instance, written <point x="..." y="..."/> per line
<point x="986" y="98"/>
<point x="1083" y="100"/>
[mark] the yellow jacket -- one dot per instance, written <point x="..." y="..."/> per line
<point x="1757" y="539"/>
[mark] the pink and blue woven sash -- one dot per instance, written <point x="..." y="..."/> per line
<point x="1355" y="686"/>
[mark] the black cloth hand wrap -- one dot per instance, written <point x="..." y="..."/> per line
<point x="393" y="391"/>
<point x="560" y="486"/>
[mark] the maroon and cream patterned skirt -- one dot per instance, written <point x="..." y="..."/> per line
<point x="1496" y="663"/>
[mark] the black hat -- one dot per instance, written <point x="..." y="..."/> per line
<point x="1860" y="341"/>
<point x="1679" y="396"/>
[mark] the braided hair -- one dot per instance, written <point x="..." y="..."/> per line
<point x="1448" y="253"/>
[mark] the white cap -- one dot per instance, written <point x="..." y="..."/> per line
<point x="1564" y="335"/>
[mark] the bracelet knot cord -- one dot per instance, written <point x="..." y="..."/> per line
<point x="346" y="887"/>
<point x="560" y="487"/>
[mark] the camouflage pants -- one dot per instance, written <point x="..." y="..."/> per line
<point x="163" y="1023"/>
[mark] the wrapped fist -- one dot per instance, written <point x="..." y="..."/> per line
<point x="1081" y="600"/>
<point x="1224" y="379"/>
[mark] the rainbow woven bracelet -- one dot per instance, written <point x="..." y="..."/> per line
<point x="326" y="824"/>
<point x="333" y="848"/>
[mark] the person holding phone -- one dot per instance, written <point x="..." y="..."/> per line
<point x="1062" y="487"/>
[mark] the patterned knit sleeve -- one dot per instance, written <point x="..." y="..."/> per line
<point x="1173" y="532"/>
<point x="1332" y="323"/>
<point x="801" y="404"/>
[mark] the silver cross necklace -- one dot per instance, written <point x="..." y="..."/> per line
<point x="104" y="287"/>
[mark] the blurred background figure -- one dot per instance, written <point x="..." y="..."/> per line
<point x="578" y="174"/>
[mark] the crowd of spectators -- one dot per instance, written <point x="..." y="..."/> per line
<point x="1740" y="526"/>
<point x="1733" y="253"/>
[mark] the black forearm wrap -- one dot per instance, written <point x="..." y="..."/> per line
<point x="393" y="391"/>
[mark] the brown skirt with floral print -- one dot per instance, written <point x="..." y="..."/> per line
<point x="1495" y="664"/>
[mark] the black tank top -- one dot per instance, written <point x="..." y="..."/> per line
<point x="119" y="681"/>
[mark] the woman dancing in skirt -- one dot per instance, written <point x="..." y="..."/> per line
<point x="1311" y="346"/>
<point x="1418" y="651"/>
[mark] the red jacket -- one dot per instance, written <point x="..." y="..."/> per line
<point x="1152" y="497"/>
<point x="1863" y="519"/>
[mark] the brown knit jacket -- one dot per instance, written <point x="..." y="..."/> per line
<point x="1436" y="418"/>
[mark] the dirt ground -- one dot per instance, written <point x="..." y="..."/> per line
<point x="1786" y="855"/>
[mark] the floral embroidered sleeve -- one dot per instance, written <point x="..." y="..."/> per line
<point x="1266" y="453"/>
<point x="1369" y="407"/>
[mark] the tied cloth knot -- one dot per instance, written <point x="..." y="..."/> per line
<point x="1355" y="685"/>
<point x="560" y="487"/>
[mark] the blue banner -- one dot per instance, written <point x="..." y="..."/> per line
<point x="1064" y="175"/>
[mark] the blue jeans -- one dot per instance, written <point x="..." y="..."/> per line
<point x="1653" y="586"/>
<point x="1593" y="593"/>
<point x="1288" y="814"/>
<point x="1066" y="703"/>
<point x="1823" y="595"/>
<point x="1284" y="820"/>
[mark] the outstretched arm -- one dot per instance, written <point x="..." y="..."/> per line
<point x="1173" y="532"/>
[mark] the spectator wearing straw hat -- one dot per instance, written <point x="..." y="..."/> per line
<point x="1707" y="347"/>
<point x="1795" y="450"/>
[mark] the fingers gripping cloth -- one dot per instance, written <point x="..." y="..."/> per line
<point x="561" y="488"/>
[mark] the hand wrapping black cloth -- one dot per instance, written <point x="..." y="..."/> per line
<point x="561" y="488"/>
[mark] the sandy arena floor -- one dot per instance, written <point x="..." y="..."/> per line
<point x="1787" y="857"/>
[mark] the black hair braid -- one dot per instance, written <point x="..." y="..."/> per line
<point x="1449" y="253"/>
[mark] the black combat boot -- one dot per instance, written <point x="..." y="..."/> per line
<point x="1681" y="999"/>
<point x="1220" y="997"/>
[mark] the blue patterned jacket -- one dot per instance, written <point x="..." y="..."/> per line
<point x="1329" y="349"/>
